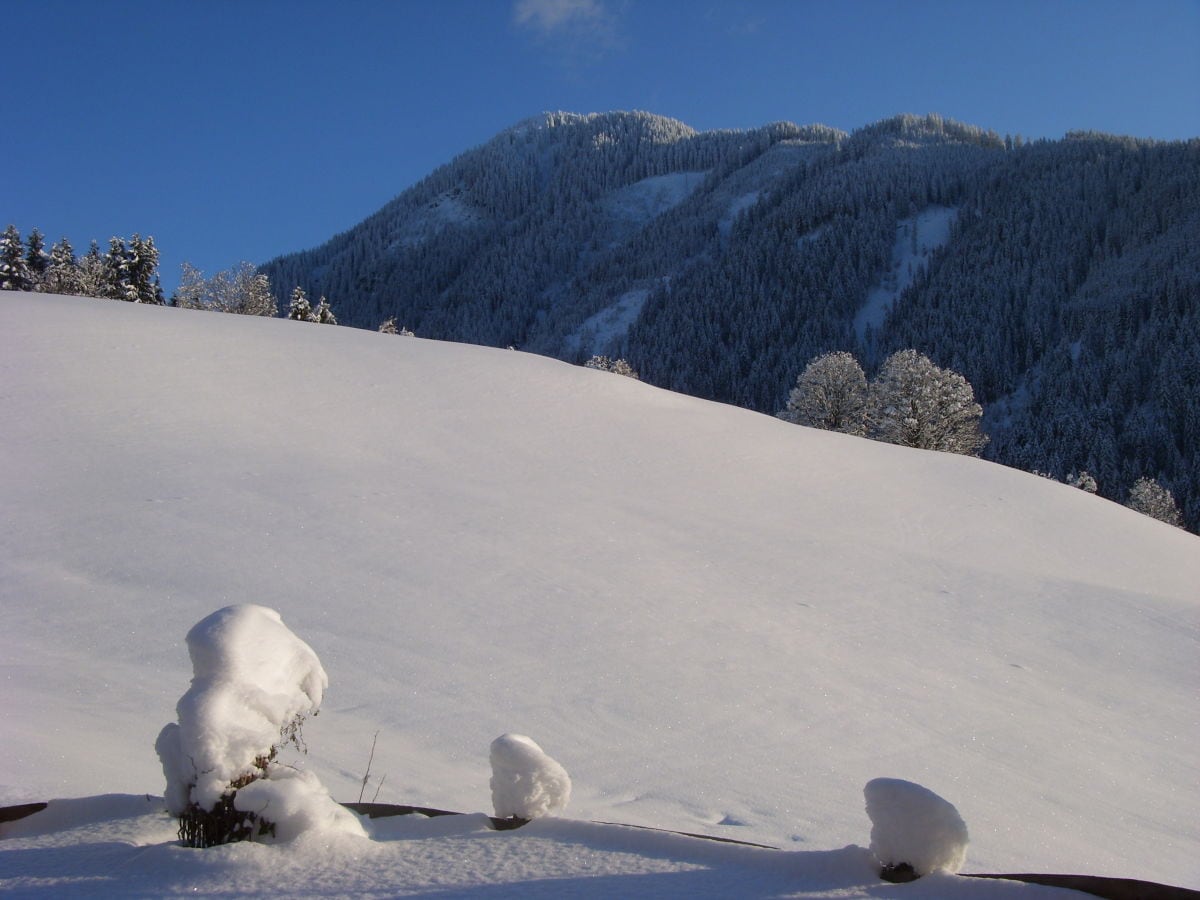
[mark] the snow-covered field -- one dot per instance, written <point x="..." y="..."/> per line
<point x="715" y="621"/>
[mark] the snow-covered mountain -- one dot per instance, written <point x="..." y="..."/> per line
<point x="1062" y="278"/>
<point x="717" y="622"/>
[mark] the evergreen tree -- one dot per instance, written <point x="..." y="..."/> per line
<point x="36" y="259"/>
<point x="142" y="271"/>
<point x="92" y="273"/>
<point x="116" y="281"/>
<point x="831" y="393"/>
<point x="14" y="270"/>
<point x="62" y="273"/>
<point x="299" y="308"/>
<point x="915" y="403"/>
<point x="323" y="313"/>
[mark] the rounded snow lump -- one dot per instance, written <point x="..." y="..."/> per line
<point x="526" y="783"/>
<point x="911" y="824"/>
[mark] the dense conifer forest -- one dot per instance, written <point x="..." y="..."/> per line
<point x="1061" y="278"/>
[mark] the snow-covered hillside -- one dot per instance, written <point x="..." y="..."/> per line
<point x="717" y="622"/>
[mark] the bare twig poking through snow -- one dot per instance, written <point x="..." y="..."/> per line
<point x="367" y="774"/>
<point x="253" y="685"/>
<point x="526" y="783"/>
<point x="913" y="830"/>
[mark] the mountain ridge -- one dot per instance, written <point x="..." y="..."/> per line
<point x="720" y="262"/>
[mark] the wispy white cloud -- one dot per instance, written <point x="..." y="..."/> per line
<point x="577" y="33"/>
<point x="550" y="16"/>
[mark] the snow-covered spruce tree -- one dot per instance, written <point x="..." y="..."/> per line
<point x="116" y="284"/>
<point x="91" y="272"/>
<point x="915" y="403"/>
<point x="299" y="308"/>
<point x="1150" y="498"/>
<point x="62" y="274"/>
<point x="36" y="259"/>
<point x="253" y="685"/>
<point x="831" y="393"/>
<point x="14" y="270"/>
<point x="142" y="268"/>
<point x="323" y="314"/>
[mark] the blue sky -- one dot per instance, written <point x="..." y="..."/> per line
<point x="242" y="129"/>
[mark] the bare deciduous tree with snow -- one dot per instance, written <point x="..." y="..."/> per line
<point x="915" y="403"/>
<point x="1150" y="498"/>
<point x="241" y="290"/>
<point x="831" y="393"/>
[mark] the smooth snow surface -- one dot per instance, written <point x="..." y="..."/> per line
<point x="917" y="238"/>
<point x="526" y="783"/>
<point x="911" y="824"/>
<point x="722" y="622"/>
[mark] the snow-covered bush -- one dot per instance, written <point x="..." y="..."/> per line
<point x="1150" y="498"/>
<point x="1084" y="480"/>
<point x="253" y="685"/>
<point x="526" y="783"/>
<point x="619" y="366"/>
<point x="390" y="327"/>
<point x="913" y="826"/>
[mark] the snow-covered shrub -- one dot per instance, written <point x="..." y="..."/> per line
<point x="390" y="327"/>
<point x="619" y="366"/>
<point x="253" y="685"/>
<point x="1084" y="480"/>
<point x="912" y="825"/>
<point x="1150" y="498"/>
<point x="526" y="783"/>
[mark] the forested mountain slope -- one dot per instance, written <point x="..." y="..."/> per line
<point x="1062" y="277"/>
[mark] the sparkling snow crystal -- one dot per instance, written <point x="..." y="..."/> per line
<point x="911" y="824"/>
<point x="526" y="783"/>
<point x="253" y="681"/>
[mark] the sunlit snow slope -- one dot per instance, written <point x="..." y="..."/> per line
<point x="714" y="620"/>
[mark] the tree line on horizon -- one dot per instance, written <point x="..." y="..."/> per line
<point x="129" y="272"/>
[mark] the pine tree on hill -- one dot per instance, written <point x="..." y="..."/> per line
<point x="36" y="258"/>
<point x="14" y="270"/>
<point x="62" y="273"/>
<point x="299" y="308"/>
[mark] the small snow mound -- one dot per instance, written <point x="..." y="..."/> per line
<point x="526" y="783"/>
<point x="911" y="824"/>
